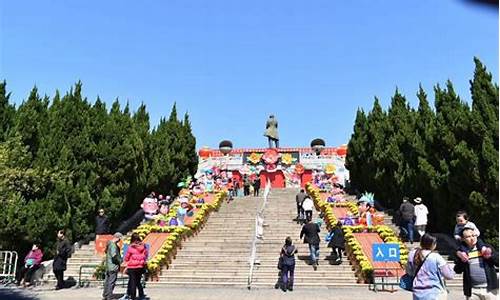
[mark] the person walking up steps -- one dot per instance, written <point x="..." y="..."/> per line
<point x="287" y="257"/>
<point x="299" y="198"/>
<point x="337" y="242"/>
<point x="407" y="212"/>
<point x="421" y="213"/>
<point x="310" y="233"/>
<point x="308" y="206"/>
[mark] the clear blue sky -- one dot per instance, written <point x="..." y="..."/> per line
<point x="230" y="64"/>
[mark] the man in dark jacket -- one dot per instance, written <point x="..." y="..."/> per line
<point x="299" y="198"/>
<point x="478" y="265"/>
<point x="63" y="253"/>
<point x="256" y="186"/>
<point x="407" y="213"/>
<point x="310" y="233"/>
<point x="101" y="223"/>
<point x="246" y="185"/>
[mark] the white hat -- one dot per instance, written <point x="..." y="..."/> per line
<point x="418" y="200"/>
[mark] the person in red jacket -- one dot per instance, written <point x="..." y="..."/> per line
<point x="32" y="262"/>
<point x="135" y="258"/>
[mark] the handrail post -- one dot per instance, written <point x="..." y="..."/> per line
<point x="258" y="226"/>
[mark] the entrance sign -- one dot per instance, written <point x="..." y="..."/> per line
<point x="385" y="252"/>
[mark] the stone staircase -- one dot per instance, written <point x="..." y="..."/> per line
<point x="278" y="219"/>
<point x="219" y="255"/>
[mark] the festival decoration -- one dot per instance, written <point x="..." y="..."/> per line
<point x="299" y="169"/>
<point x="342" y="150"/>
<point x="330" y="169"/>
<point x="150" y="207"/>
<point x="177" y="233"/>
<point x="205" y="152"/>
<point x="368" y="198"/>
<point x="287" y="159"/>
<point x="271" y="156"/>
<point x="254" y="158"/>
<point x="355" y="252"/>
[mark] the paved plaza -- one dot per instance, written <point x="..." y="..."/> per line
<point x="231" y="293"/>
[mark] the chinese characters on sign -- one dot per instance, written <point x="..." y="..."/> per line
<point x="385" y="252"/>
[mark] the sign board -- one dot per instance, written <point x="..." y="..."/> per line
<point x="385" y="252"/>
<point x="101" y="240"/>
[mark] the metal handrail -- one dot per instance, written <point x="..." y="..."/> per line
<point x="8" y="266"/>
<point x="387" y="271"/>
<point x="81" y="281"/>
<point x="258" y="222"/>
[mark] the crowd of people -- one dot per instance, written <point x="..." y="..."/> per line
<point x="475" y="259"/>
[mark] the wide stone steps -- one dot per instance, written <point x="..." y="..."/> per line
<point x="219" y="254"/>
<point x="279" y="215"/>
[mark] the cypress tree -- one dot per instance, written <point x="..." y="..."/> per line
<point x="30" y="119"/>
<point x="7" y="112"/>
<point x="356" y="152"/>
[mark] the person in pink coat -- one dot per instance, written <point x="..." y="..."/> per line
<point x="32" y="262"/>
<point x="135" y="258"/>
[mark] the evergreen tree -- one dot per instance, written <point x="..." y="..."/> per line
<point x="189" y="146"/>
<point x="449" y="157"/>
<point x="30" y="120"/>
<point x="375" y="147"/>
<point x="356" y="152"/>
<point x="484" y="143"/>
<point x="7" y="112"/>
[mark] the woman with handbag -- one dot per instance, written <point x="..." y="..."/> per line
<point x="287" y="264"/>
<point x="427" y="268"/>
<point x="32" y="262"/>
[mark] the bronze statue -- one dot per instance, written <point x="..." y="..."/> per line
<point x="272" y="131"/>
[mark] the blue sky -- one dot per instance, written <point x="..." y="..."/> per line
<point x="230" y="64"/>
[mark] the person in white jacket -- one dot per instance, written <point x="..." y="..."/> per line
<point x="308" y="206"/>
<point x="421" y="213"/>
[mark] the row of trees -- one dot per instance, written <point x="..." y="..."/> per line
<point x="62" y="159"/>
<point x="447" y="156"/>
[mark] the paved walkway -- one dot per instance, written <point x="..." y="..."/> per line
<point x="228" y="293"/>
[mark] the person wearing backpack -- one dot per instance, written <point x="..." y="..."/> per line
<point x="287" y="257"/>
<point x="428" y="269"/>
<point x="336" y="241"/>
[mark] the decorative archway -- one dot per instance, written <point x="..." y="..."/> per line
<point x="277" y="179"/>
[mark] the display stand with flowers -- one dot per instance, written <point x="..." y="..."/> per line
<point x="362" y="264"/>
<point x="176" y="234"/>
